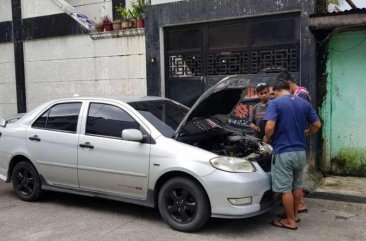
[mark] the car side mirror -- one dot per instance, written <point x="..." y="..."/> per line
<point x="132" y="135"/>
<point x="2" y="122"/>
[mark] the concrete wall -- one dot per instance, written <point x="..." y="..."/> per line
<point x="62" y="67"/>
<point x="5" y="10"/>
<point x="343" y="107"/>
<point x="8" y="98"/>
<point x="36" y="8"/>
<point x="77" y="64"/>
<point x="94" y="9"/>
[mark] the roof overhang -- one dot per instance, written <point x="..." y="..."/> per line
<point x="331" y="21"/>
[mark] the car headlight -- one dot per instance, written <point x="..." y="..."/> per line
<point x="232" y="164"/>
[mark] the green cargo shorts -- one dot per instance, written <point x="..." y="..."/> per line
<point x="288" y="171"/>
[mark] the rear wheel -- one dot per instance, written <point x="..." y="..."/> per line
<point x="26" y="182"/>
<point x="183" y="204"/>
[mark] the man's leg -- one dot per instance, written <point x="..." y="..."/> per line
<point x="282" y="179"/>
<point x="302" y="205"/>
<point x="298" y="189"/>
<point x="288" y="205"/>
<point x="298" y="194"/>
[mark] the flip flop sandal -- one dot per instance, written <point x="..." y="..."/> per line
<point x="279" y="224"/>
<point x="283" y="216"/>
<point x="305" y="210"/>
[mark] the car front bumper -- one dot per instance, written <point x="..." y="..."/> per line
<point x="221" y="186"/>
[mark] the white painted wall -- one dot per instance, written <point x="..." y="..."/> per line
<point x="94" y="9"/>
<point x="5" y="10"/>
<point x="8" y="102"/>
<point x="62" y="67"/>
<point x="36" y="8"/>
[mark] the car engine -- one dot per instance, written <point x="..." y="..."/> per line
<point x="206" y="134"/>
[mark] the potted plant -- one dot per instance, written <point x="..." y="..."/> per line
<point x="139" y="7"/>
<point x="107" y="24"/>
<point x="132" y="16"/>
<point x="124" y="15"/>
<point x="116" y="24"/>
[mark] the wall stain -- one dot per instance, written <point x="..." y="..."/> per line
<point x="350" y="161"/>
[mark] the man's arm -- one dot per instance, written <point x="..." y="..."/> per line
<point x="252" y="119"/>
<point x="254" y="127"/>
<point x="313" y="128"/>
<point x="269" y="130"/>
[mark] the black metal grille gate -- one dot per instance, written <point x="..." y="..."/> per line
<point x="197" y="56"/>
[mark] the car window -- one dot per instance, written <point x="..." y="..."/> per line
<point x="108" y="120"/>
<point x="165" y="115"/>
<point x="41" y="121"/>
<point x="62" y="117"/>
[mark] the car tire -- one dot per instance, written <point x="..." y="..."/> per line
<point x="183" y="204"/>
<point x="26" y="181"/>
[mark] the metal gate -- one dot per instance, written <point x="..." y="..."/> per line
<point x="199" y="55"/>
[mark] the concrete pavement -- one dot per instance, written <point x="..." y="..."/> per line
<point x="61" y="216"/>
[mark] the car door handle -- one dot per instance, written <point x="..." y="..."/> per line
<point x="87" y="145"/>
<point x="35" y="138"/>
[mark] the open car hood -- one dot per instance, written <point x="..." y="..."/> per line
<point x="218" y="100"/>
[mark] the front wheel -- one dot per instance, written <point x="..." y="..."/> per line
<point x="26" y="182"/>
<point x="183" y="204"/>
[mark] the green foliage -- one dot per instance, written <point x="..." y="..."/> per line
<point x="122" y="12"/>
<point x="138" y="8"/>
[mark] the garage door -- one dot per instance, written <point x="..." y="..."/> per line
<point x="199" y="55"/>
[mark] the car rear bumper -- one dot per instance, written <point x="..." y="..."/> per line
<point x="221" y="186"/>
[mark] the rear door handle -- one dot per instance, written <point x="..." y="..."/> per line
<point x="87" y="145"/>
<point x="35" y="138"/>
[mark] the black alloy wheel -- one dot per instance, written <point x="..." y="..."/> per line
<point x="26" y="182"/>
<point x="183" y="204"/>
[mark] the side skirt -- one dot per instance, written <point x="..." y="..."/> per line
<point x="148" y="202"/>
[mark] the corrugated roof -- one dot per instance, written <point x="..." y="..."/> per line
<point x="345" y="12"/>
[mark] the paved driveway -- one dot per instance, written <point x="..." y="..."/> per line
<point x="61" y="216"/>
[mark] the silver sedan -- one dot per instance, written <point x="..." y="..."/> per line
<point x="149" y="151"/>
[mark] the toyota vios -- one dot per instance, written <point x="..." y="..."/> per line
<point x="150" y="151"/>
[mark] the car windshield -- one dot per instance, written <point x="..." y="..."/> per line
<point x="165" y="115"/>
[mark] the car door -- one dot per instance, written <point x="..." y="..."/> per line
<point x="106" y="163"/>
<point x="52" y="141"/>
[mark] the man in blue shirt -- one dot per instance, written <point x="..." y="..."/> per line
<point x="289" y="118"/>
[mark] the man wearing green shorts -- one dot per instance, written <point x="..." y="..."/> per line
<point x="287" y="118"/>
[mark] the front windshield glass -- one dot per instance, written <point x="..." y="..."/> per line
<point x="165" y="115"/>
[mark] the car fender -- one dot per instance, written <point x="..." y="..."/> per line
<point x="169" y="155"/>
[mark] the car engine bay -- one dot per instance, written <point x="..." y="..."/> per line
<point x="208" y="134"/>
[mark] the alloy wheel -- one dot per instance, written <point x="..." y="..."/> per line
<point x="24" y="181"/>
<point x="181" y="205"/>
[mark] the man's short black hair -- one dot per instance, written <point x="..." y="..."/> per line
<point x="260" y="87"/>
<point x="281" y="85"/>
<point x="284" y="75"/>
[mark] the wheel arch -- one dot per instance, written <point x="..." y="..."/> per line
<point x="173" y="174"/>
<point x="14" y="161"/>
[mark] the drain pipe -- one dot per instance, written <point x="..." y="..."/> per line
<point x="78" y="17"/>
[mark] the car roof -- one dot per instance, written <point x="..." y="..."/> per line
<point x="127" y="99"/>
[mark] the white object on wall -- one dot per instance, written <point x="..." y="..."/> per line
<point x="79" y="17"/>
